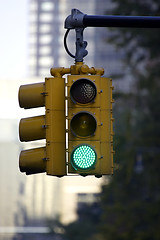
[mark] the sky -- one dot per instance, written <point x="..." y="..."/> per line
<point x="13" y="41"/>
<point x="14" y="24"/>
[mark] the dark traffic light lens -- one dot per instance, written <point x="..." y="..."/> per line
<point x="83" y="124"/>
<point x="83" y="91"/>
<point x="83" y="157"/>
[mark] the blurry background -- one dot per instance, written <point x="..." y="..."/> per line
<point x="31" y="43"/>
<point x="32" y="35"/>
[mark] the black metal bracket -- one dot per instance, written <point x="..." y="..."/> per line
<point x="74" y="21"/>
<point x="79" y="21"/>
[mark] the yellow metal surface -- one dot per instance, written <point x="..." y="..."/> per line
<point x="51" y="159"/>
<point x="76" y="69"/>
<point x="51" y="94"/>
<point x="104" y="163"/>
<point x="107" y="158"/>
<point x="102" y="140"/>
<point x="32" y="128"/>
<point x="94" y="111"/>
<point x="83" y="124"/>
<point x="81" y="68"/>
<point x="59" y="71"/>
<point x="33" y="161"/>
<point x="32" y="95"/>
<point x="56" y="125"/>
<point x="107" y="126"/>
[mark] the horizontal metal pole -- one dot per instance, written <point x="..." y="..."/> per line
<point x="121" y="21"/>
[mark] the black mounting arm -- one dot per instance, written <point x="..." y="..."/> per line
<point x="79" y="21"/>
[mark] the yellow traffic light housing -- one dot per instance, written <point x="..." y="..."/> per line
<point x="51" y="126"/>
<point x="80" y="109"/>
<point x="90" y="128"/>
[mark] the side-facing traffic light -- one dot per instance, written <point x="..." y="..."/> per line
<point x="90" y="130"/>
<point x="52" y="126"/>
<point x="83" y="113"/>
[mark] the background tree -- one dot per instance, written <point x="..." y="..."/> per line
<point x="131" y="202"/>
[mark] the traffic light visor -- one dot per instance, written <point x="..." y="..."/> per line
<point x="33" y="161"/>
<point x="83" y="157"/>
<point x="83" y="124"/>
<point x="32" y="95"/>
<point x="83" y="91"/>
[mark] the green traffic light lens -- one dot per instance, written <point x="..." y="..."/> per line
<point x="83" y="157"/>
<point x="83" y="91"/>
<point x="83" y="124"/>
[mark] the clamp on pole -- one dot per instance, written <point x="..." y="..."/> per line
<point x="75" y="21"/>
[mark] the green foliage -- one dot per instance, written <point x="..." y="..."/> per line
<point x="79" y="230"/>
<point x="140" y="45"/>
<point x="86" y="225"/>
<point x="131" y="202"/>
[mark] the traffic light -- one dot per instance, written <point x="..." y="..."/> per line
<point x="90" y="125"/>
<point x="52" y="126"/>
<point x="83" y="113"/>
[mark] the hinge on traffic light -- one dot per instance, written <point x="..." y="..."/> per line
<point x="44" y="126"/>
<point x="43" y="93"/>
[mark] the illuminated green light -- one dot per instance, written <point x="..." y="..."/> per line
<point x="83" y="157"/>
